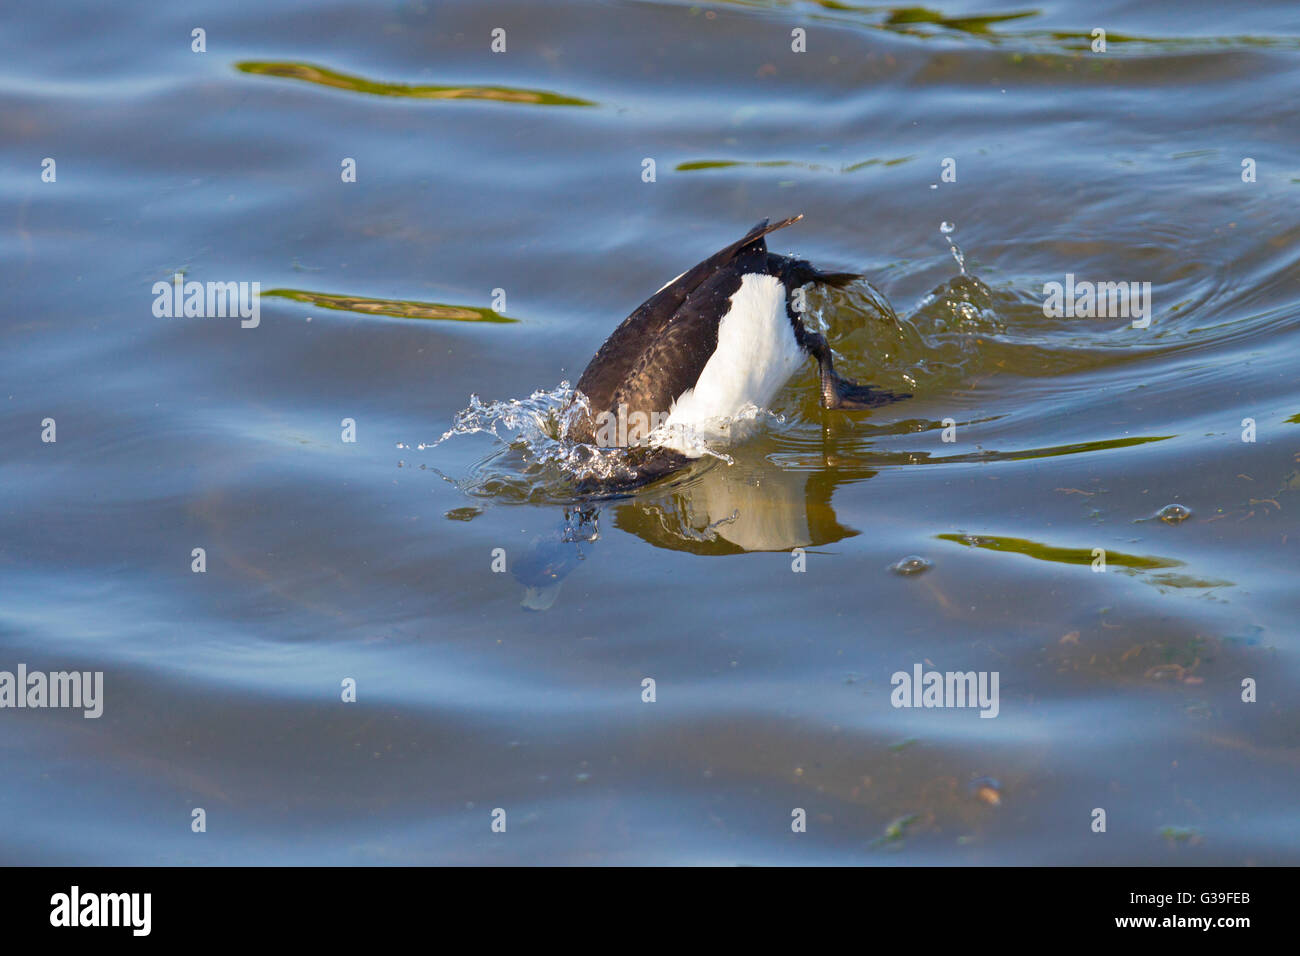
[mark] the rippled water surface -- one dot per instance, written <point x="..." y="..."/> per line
<point x="499" y="228"/>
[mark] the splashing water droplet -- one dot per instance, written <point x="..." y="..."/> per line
<point x="948" y="229"/>
<point x="535" y="460"/>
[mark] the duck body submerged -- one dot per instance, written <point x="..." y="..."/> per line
<point x="720" y="338"/>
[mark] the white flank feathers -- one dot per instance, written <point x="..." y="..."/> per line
<point x="756" y="355"/>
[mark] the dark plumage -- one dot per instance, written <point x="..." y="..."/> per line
<point x="669" y="346"/>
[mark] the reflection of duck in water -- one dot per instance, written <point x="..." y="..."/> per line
<point x="718" y="339"/>
<point x="729" y="511"/>
<point x="722" y="510"/>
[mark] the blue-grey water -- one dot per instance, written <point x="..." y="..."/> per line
<point x="503" y="220"/>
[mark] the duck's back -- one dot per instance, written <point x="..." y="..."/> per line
<point x="662" y="349"/>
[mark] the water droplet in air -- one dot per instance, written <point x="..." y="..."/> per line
<point x="948" y="229"/>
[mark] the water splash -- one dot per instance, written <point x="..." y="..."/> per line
<point x="533" y="460"/>
<point x="709" y="437"/>
<point x="963" y="304"/>
<point x="948" y="229"/>
<point x="542" y="415"/>
<point x="536" y="461"/>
